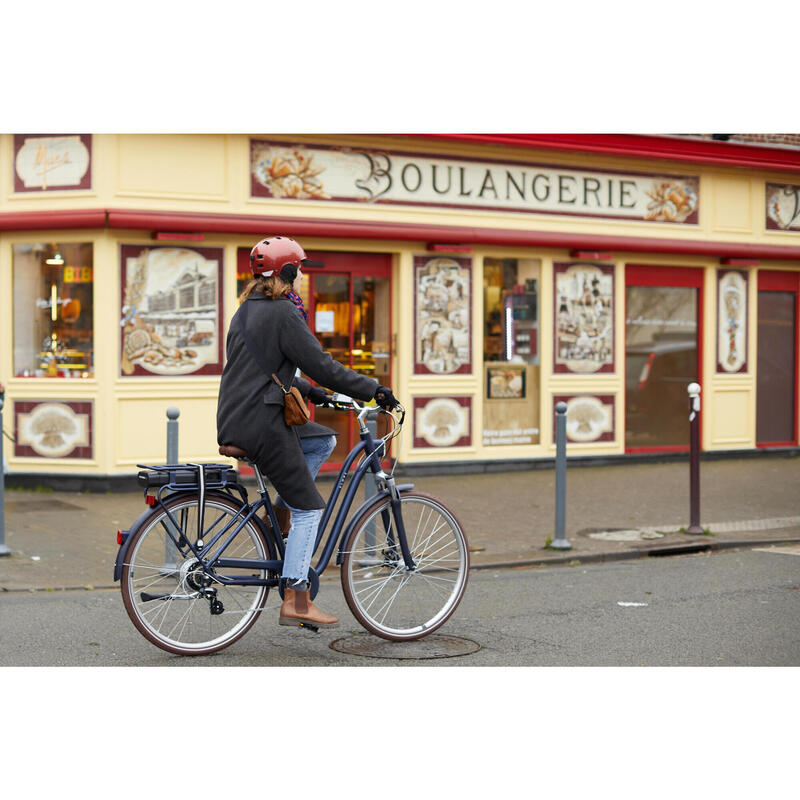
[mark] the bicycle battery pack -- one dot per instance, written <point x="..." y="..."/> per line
<point x="185" y="476"/>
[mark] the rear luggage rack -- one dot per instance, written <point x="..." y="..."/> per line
<point x="187" y="476"/>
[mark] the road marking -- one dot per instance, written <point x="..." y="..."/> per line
<point x="791" y="550"/>
<point x="623" y="603"/>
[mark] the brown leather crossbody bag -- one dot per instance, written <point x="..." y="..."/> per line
<point x="295" y="410"/>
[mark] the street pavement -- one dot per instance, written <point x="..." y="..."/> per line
<point x="63" y="541"/>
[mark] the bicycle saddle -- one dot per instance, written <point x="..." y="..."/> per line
<point x="232" y="451"/>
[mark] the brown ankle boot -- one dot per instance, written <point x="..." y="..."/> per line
<point x="284" y="517"/>
<point x="298" y="608"/>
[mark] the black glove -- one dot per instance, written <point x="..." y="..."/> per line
<point x="384" y="397"/>
<point x="318" y="396"/>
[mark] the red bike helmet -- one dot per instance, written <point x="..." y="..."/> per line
<point x="270" y="255"/>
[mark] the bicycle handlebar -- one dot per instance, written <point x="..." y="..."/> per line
<point x="335" y="402"/>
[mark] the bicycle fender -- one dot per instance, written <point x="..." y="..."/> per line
<point x="127" y="534"/>
<point x="401" y="487"/>
<point x="126" y="538"/>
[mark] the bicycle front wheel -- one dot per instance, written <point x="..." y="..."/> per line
<point x="171" y="599"/>
<point x="386" y="597"/>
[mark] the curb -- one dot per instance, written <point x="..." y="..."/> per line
<point x="686" y="548"/>
<point x="627" y="555"/>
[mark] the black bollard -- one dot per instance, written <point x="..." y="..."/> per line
<point x="694" y="459"/>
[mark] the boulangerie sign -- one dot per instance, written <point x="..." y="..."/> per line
<point x="301" y="172"/>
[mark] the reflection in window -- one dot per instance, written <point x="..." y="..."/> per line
<point x="660" y="363"/>
<point x="53" y="302"/>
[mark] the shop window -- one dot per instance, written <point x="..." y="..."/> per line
<point x="662" y="329"/>
<point x="511" y="351"/>
<point x="53" y="304"/>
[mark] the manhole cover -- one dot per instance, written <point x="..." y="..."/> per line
<point x="433" y="646"/>
<point x="626" y="536"/>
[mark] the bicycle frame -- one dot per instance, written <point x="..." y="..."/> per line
<point x="200" y="548"/>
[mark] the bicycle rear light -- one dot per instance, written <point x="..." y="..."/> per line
<point x="150" y="499"/>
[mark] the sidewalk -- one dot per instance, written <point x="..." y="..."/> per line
<point x="65" y="540"/>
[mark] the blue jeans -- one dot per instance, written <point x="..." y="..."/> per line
<point x="303" y="533"/>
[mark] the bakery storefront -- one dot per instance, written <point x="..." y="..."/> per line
<point x="485" y="278"/>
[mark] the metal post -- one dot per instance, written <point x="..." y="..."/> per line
<point x="694" y="459"/>
<point x="172" y="434"/>
<point x="170" y="551"/>
<point x="4" y="551"/>
<point x="559" y="541"/>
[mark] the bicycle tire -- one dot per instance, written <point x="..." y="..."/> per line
<point x="385" y="597"/>
<point x="151" y="583"/>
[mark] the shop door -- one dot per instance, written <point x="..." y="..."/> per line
<point x="663" y="340"/>
<point x="776" y="366"/>
<point x="349" y="305"/>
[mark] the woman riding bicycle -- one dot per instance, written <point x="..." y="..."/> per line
<point x="250" y="406"/>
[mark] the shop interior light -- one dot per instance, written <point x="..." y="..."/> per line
<point x="509" y="333"/>
<point x="56" y="260"/>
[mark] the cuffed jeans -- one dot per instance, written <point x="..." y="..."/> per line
<point x="303" y="533"/>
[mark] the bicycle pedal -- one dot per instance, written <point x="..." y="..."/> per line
<point x="309" y="626"/>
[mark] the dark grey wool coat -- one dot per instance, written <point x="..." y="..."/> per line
<point x="250" y="404"/>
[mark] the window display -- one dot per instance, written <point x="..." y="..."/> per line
<point x="511" y="351"/>
<point x="171" y="308"/>
<point x="442" y="315"/>
<point x="53" y="310"/>
<point x="584" y="326"/>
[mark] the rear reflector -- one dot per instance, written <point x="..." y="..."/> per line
<point x="150" y="499"/>
<point x="119" y="537"/>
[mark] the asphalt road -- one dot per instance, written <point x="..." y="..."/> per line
<point x="737" y="608"/>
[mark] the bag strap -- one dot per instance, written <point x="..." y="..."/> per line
<point x="257" y="355"/>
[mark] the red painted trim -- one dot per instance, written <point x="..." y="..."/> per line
<point x="590" y="255"/>
<point x="400" y="231"/>
<point x="739" y="262"/>
<point x="674" y="148"/>
<point x="775" y="281"/>
<point x="180" y="237"/>
<point x="44" y="220"/>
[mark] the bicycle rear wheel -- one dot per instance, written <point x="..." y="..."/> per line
<point x="170" y="599"/>
<point x="385" y="597"/>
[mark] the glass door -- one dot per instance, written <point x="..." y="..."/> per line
<point x="776" y="384"/>
<point x="662" y="342"/>
<point x="348" y="298"/>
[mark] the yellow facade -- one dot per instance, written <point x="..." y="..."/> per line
<point x="210" y="174"/>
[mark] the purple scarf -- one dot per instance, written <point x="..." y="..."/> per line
<point x="298" y="301"/>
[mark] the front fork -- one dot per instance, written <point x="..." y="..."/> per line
<point x="387" y="481"/>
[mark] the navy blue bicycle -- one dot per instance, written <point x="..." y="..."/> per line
<point x="197" y="566"/>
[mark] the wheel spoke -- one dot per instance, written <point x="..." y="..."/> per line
<point x="189" y="626"/>
<point x="403" y="604"/>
